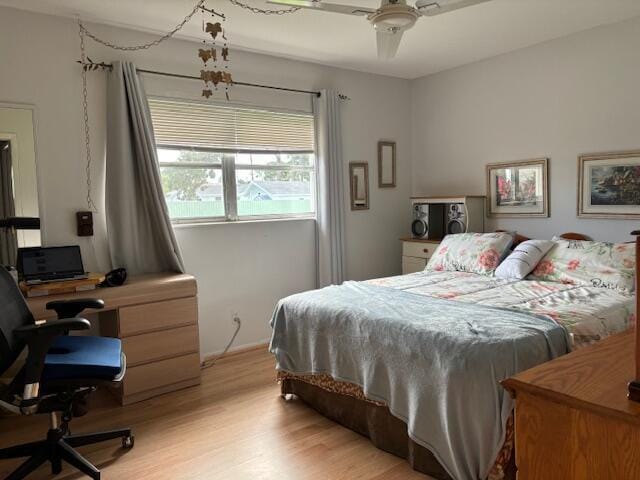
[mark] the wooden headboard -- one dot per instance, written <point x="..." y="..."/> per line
<point x="574" y="236"/>
<point x="567" y="236"/>
<point x="634" y="384"/>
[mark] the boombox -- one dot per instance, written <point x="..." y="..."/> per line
<point x="428" y="221"/>
<point x="456" y="218"/>
<point x="435" y="217"/>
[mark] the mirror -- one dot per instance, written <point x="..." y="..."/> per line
<point x="386" y="164"/>
<point x="19" y="214"/>
<point x="359" y="182"/>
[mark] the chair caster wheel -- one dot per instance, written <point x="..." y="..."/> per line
<point x="128" y="442"/>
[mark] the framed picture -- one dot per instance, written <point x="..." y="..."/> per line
<point x="386" y="164"/>
<point x="359" y="185"/>
<point x="609" y="185"/>
<point x="518" y="189"/>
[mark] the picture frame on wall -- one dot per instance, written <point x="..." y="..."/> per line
<point x="386" y="164"/>
<point x="609" y="185"/>
<point x="518" y="189"/>
<point x="359" y="185"/>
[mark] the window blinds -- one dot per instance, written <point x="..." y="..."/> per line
<point x="183" y="123"/>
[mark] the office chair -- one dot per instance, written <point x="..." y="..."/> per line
<point x="58" y="375"/>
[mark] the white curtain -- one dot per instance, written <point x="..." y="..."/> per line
<point x="330" y="240"/>
<point x="141" y="237"/>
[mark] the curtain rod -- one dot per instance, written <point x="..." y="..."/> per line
<point x="94" y="66"/>
<point x="244" y="84"/>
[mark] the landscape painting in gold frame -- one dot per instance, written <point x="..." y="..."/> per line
<point x="609" y="185"/>
<point x="518" y="189"/>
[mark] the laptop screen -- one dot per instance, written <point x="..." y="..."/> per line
<point x="50" y="262"/>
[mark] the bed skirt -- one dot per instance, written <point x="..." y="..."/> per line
<point x="345" y="404"/>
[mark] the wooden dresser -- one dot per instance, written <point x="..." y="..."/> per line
<point x="156" y="316"/>
<point x="573" y="418"/>
<point x="416" y="253"/>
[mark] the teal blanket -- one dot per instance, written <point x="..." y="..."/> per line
<point x="436" y="363"/>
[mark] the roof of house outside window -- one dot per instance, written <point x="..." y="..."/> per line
<point x="271" y="188"/>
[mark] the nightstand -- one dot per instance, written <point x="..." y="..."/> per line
<point x="416" y="252"/>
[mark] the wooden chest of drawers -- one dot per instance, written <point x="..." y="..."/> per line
<point x="573" y="418"/>
<point x="156" y="316"/>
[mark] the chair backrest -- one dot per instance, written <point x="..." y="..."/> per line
<point x="14" y="313"/>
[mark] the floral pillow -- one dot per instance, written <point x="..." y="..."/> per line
<point x="470" y="252"/>
<point x="596" y="264"/>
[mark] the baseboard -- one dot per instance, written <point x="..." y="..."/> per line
<point x="240" y="349"/>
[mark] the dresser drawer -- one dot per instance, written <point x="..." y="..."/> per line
<point x="154" y="346"/>
<point x="156" y="316"/>
<point x="418" y="249"/>
<point x="159" y="374"/>
<point x="413" y="264"/>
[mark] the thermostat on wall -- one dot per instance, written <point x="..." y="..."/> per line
<point x="85" y="224"/>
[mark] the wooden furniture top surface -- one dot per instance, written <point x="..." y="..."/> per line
<point x="138" y="289"/>
<point x="420" y="240"/>
<point x="594" y="378"/>
<point x="518" y="239"/>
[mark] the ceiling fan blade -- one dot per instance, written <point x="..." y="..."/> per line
<point x="326" y="7"/>
<point x="431" y="8"/>
<point x="388" y="44"/>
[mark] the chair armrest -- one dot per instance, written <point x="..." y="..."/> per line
<point x="39" y="338"/>
<point x="71" y="308"/>
<point x="51" y="328"/>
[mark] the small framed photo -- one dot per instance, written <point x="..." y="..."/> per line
<point x="386" y="164"/>
<point x="518" y="189"/>
<point x="609" y="185"/>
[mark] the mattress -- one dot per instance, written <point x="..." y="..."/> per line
<point x="588" y="313"/>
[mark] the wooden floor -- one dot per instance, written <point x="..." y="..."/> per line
<point x="234" y="426"/>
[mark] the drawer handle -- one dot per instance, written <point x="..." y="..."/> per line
<point x="425" y="250"/>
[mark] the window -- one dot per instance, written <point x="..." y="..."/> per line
<point x="221" y="163"/>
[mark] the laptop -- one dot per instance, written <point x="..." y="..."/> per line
<point x="50" y="264"/>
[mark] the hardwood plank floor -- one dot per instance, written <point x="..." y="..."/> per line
<point x="233" y="426"/>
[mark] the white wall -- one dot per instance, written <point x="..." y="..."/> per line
<point x="569" y="96"/>
<point x="243" y="268"/>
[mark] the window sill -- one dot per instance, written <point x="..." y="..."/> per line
<point x="208" y="223"/>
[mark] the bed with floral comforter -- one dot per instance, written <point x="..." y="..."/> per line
<point x="588" y="313"/>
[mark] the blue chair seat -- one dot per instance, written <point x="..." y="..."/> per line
<point x="83" y="357"/>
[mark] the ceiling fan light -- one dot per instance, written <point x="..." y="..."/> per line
<point x="392" y="18"/>
<point x="397" y="20"/>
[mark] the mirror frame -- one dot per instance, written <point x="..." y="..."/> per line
<point x="381" y="145"/>
<point x="34" y="119"/>
<point x="352" y="167"/>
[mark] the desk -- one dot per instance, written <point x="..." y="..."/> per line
<point x="573" y="419"/>
<point x="156" y="316"/>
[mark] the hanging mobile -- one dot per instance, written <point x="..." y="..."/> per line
<point x="226" y="75"/>
<point x="211" y="74"/>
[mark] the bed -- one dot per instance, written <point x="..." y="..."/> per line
<point x="367" y="355"/>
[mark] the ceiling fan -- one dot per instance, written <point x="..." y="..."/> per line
<point x="391" y="20"/>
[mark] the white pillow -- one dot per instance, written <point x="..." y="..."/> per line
<point x="523" y="259"/>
